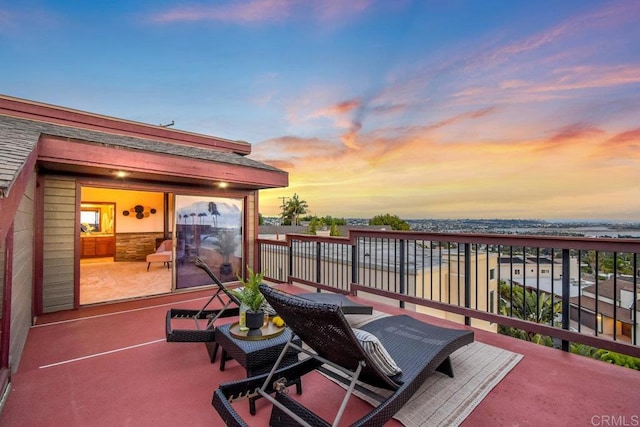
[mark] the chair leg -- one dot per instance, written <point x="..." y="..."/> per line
<point x="446" y="367"/>
<point x="212" y="349"/>
<point x="148" y="265"/>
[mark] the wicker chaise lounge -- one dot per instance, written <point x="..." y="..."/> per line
<point x="418" y="349"/>
<point x="206" y="333"/>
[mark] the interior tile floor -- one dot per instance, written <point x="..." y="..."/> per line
<point x="103" y="280"/>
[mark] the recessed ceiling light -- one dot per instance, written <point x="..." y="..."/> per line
<point x="121" y="174"/>
<point x="223" y="184"/>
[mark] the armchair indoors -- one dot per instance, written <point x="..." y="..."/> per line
<point x="163" y="254"/>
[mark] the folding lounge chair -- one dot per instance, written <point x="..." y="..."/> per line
<point x="418" y="348"/>
<point x="199" y="333"/>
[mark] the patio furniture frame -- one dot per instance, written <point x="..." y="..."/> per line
<point x="256" y="356"/>
<point x="200" y="334"/>
<point x="417" y="347"/>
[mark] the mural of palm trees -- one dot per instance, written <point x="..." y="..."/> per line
<point x="201" y="216"/>
<point x="213" y="210"/>
<point x="226" y="245"/>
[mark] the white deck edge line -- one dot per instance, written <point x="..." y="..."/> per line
<point x="117" y="312"/>
<point x="64" y="362"/>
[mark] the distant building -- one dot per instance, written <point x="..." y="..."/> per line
<point x="543" y="273"/>
<point x="518" y="268"/>
<point x="428" y="273"/>
<point x="613" y="306"/>
<point x="450" y="286"/>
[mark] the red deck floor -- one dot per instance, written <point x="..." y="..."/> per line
<point x="111" y="366"/>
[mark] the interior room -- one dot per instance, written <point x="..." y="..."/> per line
<point x="118" y="230"/>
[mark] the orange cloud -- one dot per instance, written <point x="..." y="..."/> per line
<point x="339" y="108"/>
<point x="471" y="179"/>
<point x="350" y="138"/>
<point x="291" y="145"/>
<point x="500" y="141"/>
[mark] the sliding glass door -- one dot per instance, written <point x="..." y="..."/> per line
<point x="209" y="228"/>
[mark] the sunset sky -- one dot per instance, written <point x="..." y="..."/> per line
<point x="421" y="109"/>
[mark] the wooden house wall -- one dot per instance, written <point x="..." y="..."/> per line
<point x="59" y="233"/>
<point x="22" y="274"/>
<point x="252" y="230"/>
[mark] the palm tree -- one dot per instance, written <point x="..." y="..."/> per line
<point x="213" y="210"/>
<point x="527" y="304"/>
<point x="201" y="216"/>
<point x="295" y="207"/>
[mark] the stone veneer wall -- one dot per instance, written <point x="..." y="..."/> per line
<point x="135" y="246"/>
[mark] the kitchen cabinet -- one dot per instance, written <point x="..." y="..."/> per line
<point x="98" y="246"/>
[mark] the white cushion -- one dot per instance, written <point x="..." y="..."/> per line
<point x="376" y="351"/>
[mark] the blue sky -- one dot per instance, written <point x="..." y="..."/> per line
<point x="456" y="109"/>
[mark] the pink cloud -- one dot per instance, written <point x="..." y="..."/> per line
<point x="575" y="132"/>
<point x="591" y="77"/>
<point x="342" y="107"/>
<point x="513" y="84"/>
<point x="632" y="136"/>
<point x="332" y="10"/>
<point x="621" y="148"/>
<point x="474" y="114"/>
<point x="350" y="138"/>
<point x="611" y="15"/>
<point x="292" y="147"/>
<point x="256" y="11"/>
<point x="246" y="12"/>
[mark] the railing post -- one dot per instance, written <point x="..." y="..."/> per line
<point x="290" y="267"/>
<point x="355" y="262"/>
<point x="467" y="281"/>
<point x="566" y="294"/>
<point x="318" y="262"/>
<point x="402" y="271"/>
<point x="258" y="266"/>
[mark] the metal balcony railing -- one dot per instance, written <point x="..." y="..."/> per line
<point x="572" y="289"/>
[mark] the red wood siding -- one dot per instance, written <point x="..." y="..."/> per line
<point x="61" y="150"/>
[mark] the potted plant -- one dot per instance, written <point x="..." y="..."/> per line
<point x="226" y="244"/>
<point x="251" y="299"/>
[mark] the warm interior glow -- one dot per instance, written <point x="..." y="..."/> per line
<point x="121" y="174"/>
<point x="223" y="184"/>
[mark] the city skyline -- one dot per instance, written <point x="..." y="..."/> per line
<point x="470" y="109"/>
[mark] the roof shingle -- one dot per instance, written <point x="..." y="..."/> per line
<point x="19" y="137"/>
